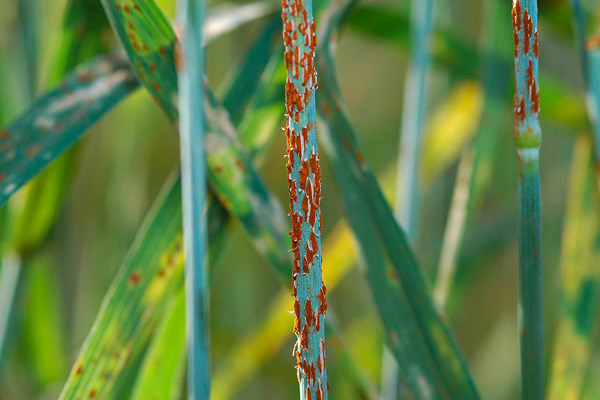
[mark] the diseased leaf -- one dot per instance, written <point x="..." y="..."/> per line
<point x="57" y="119"/>
<point x="150" y="275"/>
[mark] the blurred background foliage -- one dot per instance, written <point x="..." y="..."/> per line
<point x="119" y="167"/>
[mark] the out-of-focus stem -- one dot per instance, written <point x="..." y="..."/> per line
<point x="190" y="15"/>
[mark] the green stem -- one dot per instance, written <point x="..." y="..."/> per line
<point x="190" y="15"/>
<point x="530" y="277"/>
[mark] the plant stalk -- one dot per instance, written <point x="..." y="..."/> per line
<point x="527" y="139"/>
<point x="190" y="16"/>
<point x="304" y="175"/>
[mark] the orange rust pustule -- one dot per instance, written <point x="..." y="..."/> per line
<point x="516" y="21"/>
<point x="304" y="338"/>
<point x="308" y="314"/>
<point x="297" y="317"/>
<point x="527" y="31"/>
<point x="530" y="78"/>
<point x="593" y="42"/>
<point x="536" y="45"/>
<point x="535" y="97"/>
<point x="519" y="110"/>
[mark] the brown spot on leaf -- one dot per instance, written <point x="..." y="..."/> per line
<point x="134" y="279"/>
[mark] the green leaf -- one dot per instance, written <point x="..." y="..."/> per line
<point x="162" y="371"/>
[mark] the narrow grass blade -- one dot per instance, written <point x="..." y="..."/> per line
<point x="29" y="22"/>
<point x="455" y="227"/>
<point x="573" y="346"/>
<point x="428" y="357"/>
<point x="162" y="372"/>
<point x="304" y="186"/>
<point x="232" y="176"/>
<point x="10" y="277"/>
<point x="527" y="139"/>
<point x="413" y="115"/>
<point x="449" y="51"/>
<point x="58" y="119"/>
<point x="190" y="16"/>
<point x="411" y="134"/>
<point x="242" y="89"/>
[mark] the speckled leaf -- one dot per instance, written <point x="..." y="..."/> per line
<point x="57" y="119"/>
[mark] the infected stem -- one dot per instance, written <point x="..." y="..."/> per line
<point x="304" y="174"/>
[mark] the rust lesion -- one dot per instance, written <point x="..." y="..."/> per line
<point x="519" y="111"/>
<point x="527" y="31"/>
<point x="516" y="22"/>
<point x="593" y="42"/>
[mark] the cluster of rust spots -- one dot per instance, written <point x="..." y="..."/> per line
<point x="522" y="21"/>
<point x="300" y="44"/>
<point x="140" y="46"/>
